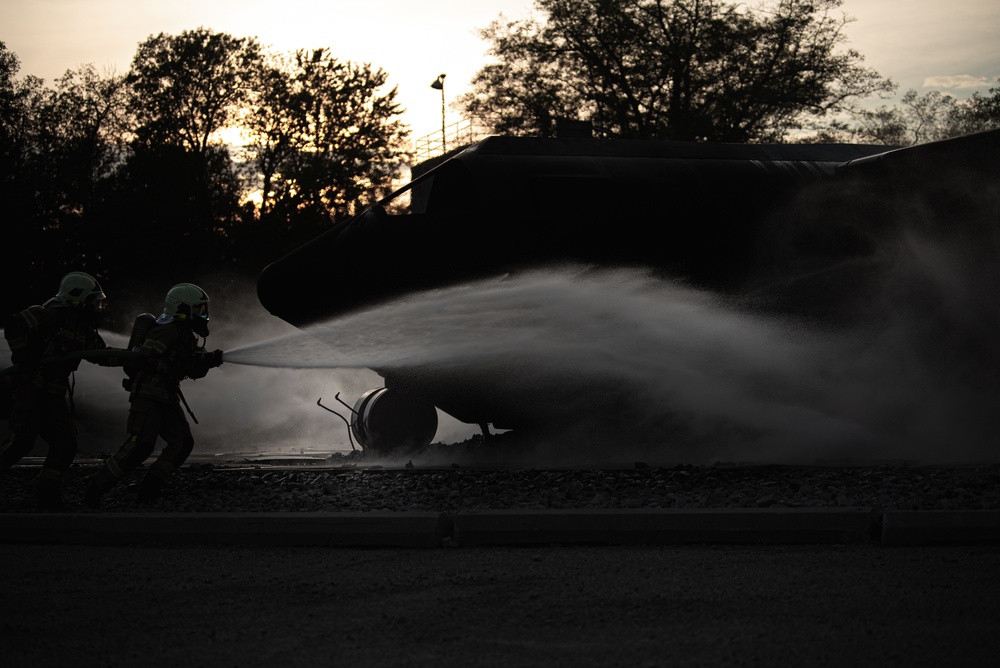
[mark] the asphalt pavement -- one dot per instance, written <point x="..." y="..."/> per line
<point x="838" y="605"/>
<point x="581" y="587"/>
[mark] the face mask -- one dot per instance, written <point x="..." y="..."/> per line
<point x="200" y="326"/>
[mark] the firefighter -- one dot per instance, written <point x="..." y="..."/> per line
<point x="45" y="345"/>
<point x="169" y="353"/>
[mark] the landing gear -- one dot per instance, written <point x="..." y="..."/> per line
<point x="393" y="421"/>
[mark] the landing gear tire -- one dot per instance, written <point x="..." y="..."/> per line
<point x="393" y="421"/>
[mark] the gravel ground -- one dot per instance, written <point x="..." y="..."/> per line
<point x="339" y="484"/>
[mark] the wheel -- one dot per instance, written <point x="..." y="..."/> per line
<point x="393" y="421"/>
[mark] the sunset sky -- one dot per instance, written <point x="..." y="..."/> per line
<point x="923" y="44"/>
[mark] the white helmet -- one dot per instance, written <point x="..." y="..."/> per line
<point x="80" y="289"/>
<point x="186" y="301"/>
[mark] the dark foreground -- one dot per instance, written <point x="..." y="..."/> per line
<point x="857" y="605"/>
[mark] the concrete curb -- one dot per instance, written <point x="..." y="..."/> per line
<point x="258" y="529"/>
<point x="664" y="527"/>
<point x="771" y="526"/>
<point x="930" y="527"/>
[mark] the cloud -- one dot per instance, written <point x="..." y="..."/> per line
<point x="962" y="81"/>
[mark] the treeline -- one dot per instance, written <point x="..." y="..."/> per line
<point x="214" y="156"/>
<point x="702" y="70"/>
<point x="140" y="179"/>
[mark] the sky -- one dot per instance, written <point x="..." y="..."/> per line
<point x="921" y="44"/>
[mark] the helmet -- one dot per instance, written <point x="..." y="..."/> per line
<point x="80" y="289"/>
<point x="186" y="301"/>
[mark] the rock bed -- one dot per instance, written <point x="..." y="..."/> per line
<point x="201" y="487"/>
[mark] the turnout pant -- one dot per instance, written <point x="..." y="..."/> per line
<point x="35" y="414"/>
<point x="147" y="421"/>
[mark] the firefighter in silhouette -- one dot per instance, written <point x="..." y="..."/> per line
<point x="169" y="351"/>
<point x="47" y="343"/>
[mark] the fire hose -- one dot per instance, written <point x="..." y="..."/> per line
<point x="76" y="355"/>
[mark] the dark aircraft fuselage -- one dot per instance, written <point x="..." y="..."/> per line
<point x="794" y="229"/>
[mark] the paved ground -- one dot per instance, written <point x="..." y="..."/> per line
<point x="856" y="605"/>
<point x="91" y="588"/>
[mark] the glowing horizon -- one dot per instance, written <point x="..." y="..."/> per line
<point x="920" y="44"/>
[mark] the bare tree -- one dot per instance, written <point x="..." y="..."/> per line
<point x="978" y="113"/>
<point x="929" y="117"/>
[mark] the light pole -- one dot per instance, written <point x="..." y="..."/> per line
<point x="439" y="85"/>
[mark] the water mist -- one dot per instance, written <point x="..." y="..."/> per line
<point x="705" y="379"/>
<point x="679" y="374"/>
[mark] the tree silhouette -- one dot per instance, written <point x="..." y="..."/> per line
<point x="670" y="69"/>
<point x="187" y="87"/>
<point x="132" y="179"/>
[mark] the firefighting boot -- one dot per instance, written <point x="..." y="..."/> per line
<point x="9" y="454"/>
<point x="97" y="486"/>
<point x="155" y="479"/>
<point x="149" y="490"/>
<point x="48" y="493"/>
<point x="92" y="497"/>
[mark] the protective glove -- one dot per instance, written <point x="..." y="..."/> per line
<point x="202" y="361"/>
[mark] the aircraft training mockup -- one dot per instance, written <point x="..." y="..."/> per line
<point x="805" y="232"/>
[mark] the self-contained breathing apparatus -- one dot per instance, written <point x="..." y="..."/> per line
<point x="201" y="360"/>
<point x="144" y="322"/>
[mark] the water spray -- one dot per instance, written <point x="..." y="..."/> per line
<point x="706" y="380"/>
<point x="703" y="378"/>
